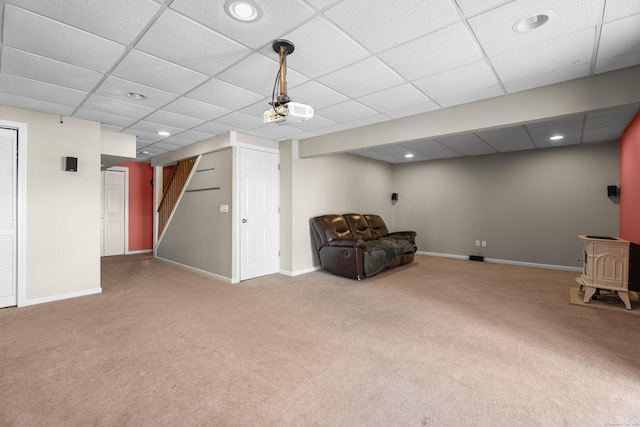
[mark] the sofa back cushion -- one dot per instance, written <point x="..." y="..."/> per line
<point x="376" y="225"/>
<point x="330" y="227"/>
<point x="359" y="226"/>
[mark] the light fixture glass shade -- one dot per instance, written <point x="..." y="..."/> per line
<point x="532" y="22"/>
<point x="243" y="10"/>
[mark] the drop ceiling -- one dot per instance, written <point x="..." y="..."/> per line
<point x="357" y="62"/>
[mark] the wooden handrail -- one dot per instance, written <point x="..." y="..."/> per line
<point x="172" y="192"/>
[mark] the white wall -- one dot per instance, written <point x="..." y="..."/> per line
<point x="62" y="208"/>
<point x="340" y="183"/>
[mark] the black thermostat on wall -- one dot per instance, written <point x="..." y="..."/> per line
<point x="71" y="164"/>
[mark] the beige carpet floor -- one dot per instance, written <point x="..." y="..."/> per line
<point x="438" y="342"/>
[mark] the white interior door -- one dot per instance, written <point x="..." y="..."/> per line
<point x="259" y="200"/>
<point x="8" y="224"/>
<point x="114" y="212"/>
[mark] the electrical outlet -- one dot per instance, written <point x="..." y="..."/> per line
<point x="478" y="243"/>
<point x="484" y="243"/>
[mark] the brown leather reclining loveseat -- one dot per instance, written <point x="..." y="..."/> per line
<point x="358" y="246"/>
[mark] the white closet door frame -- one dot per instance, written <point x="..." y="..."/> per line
<point x="21" y="217"/>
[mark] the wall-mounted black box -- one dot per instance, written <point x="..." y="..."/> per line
<point x="71" y="164"/>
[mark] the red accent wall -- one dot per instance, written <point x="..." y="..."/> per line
<point x="140" y="206"/>
<point x="630" y="182"/>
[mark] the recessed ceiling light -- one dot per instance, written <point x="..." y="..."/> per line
<point x="532" y="22"/>
<point x="145" y="152"/>
<point x="136" y="95"/>
<point x="408" y="156"/>
<point x="243" y="11"/>
<point x="164" y="133"/>
<point x="556" y="137"/>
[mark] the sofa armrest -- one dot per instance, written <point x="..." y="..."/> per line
<point x="348" y="243"/>
<point x="345" y="261"/>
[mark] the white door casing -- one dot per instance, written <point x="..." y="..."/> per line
<point x="8" y="215"/>
<point x="259" y="213"/>
<point x="114" y="205"/>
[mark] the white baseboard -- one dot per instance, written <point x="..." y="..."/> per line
<point x="299" y="272"/>
<point x="506" y="261"/>
<point x="197" y="270"/>
<point x="143" y="251"/>
<point x="59" y="297"/>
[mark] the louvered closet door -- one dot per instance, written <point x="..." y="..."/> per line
<point x="8" y="174"/>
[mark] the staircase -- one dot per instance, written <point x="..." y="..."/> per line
<point x="172" y="191"/>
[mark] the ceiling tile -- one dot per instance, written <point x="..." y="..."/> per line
<point x="602" y="134"/>
<point x="38" y="90"/>
<point x="197" y="109"/>
<point x="552" y="127"/>
<point x="225" y="95"/>
<point x="569" y="139"/>
<point x="310" y="46"/>
<point x="117" y="20"/>
<point x="194" y="136"/>
<point x="35" y="67"/>
<point x="548" y="78"/>
<point x="394" y="98"/>
<point x="467" y="144"/>
<point x="473" y="7"/>
<point x="274" y="131"/>
<point x="212" y="128"/>
<point x="147" y="136"/>
<point x="474" y="95"/>
<point x="620" y="37"/>
<point x="347" y="111"/>
<point x="259" y="74"/>
<point x="507" y="139"/>
<point x="546" y="57"/>
<point x="317" y="95"/>
<point x="35" y="104"/>
<point x="617" y="9"/>
<point x="30" y="32"/>
<point x="184" y="42"/>
<point x="494" y="29"/>
<point x="318" y="122"/>
<point x="460" y="80"/>
<point x="277" y="18"/>
<point x="369" y="120"/>
<point x="379" y="26"/>
<point x="117" y="88"/>
<point x="371" y="154"/>
<point x="614" y="118"/>
<point x="152" y="128"/>
<point x="173" y="119"/>
<point x="410" y="111"/>
<point x="349" y="81"/>
<point x="322" y="4"/>
<point x="399" y="152"/>
<point x="140" y="67"/>
<point x="105" y="118"/>
<point x="618" y="62"/>
<point x="431" y="148"/>
<point x="116" y="107"/>
<point x="177" y="141"/>
<point x="240" y="121"/>
<point x="448" y="48"/>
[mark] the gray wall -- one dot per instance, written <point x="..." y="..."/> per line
<point x="529" y="206"/>
<point x="199" y="235"/>
<point x="339" y="183"/>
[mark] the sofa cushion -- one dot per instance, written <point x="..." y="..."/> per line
<point x="359" y="226"/>
<point x="330" y="227"/>
<point x="376" y="225"/>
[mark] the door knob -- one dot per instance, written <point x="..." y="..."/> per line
<point x="244" y="221"/>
